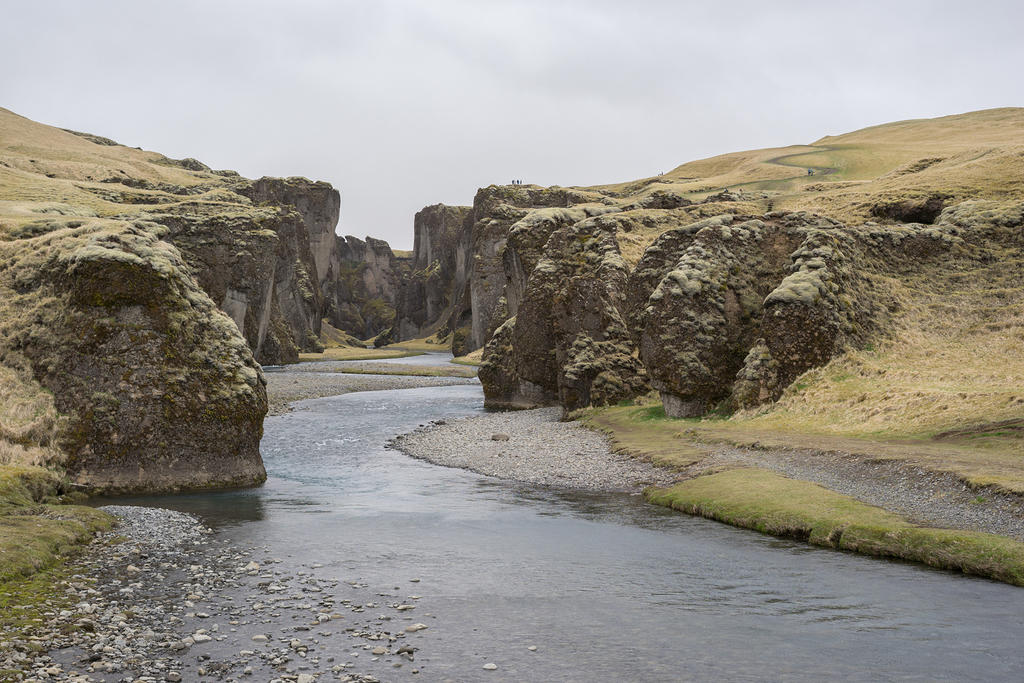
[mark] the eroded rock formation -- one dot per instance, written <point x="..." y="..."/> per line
<point x="568" y="342"/>
<point x="723" y="311"/>
<point x="434" y="296"/>
<point x="154" y="386"/>
<point x="364" y="290"/>
<point x="137" y="294"/>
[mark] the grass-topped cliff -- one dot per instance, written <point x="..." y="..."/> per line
<point x="901" y="252"/>
<point x="116" y="366"/>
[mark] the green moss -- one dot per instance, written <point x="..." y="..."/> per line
<point x="35" y="535"/>
<point x="772" y="504"/>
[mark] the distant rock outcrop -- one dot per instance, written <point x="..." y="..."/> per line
<point x="363" y="291"/>
<point x="434" y="295"/>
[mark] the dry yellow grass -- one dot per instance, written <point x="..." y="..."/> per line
<point x="973" y="155"/>
<point x="475" y="358"/>
<point x="356" y="353"/>
<point x="952" y="363"/>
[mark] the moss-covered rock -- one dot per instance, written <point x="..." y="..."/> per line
<point x="569" y="344"/>
<point x="156" y="388"/>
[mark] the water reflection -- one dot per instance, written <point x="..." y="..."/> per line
<point x="217" y="509"/>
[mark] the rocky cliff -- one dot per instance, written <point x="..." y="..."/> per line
<point x="260" y="260"/>
<point x="364" y="288"/>
<point x="715" y="298"/>
<point x="434" y="296"/>
<point x="138" y="293"/>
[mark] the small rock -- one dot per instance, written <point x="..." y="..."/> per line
<point x="532" y="648"/>
<point x="378" y="651"/>
<point x="499" y="437"/>
<point x="260" y="638"/>
<point x="490" y="666"/>
<point x="173" y="676"/>
<point x="415" y="627"/>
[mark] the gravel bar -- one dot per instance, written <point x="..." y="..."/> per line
<point x="542" y="450"/>
<point x="161" y="599"/>
<point x="531" y="446"/>
<point x="284" y="387"/>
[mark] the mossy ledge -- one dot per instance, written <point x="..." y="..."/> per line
<point x="38" y="526"/>
<point x="772" y="504"/>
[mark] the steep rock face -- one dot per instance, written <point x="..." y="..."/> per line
<point x="496" y="209"/>
<point x="460" y="322"/>
<point x="115" y="361"/>
<point x="568" y="343"/>
<point x="305" y="263"/>
<point x="319" y="205"/>
<point x="156" y="389"/>
<point x="257" y="264"/>
<point x="363" y="294"/>
<point x="703" y="317"/>
<point x="752" y="304"/>
<point x="433" y="297"/>
<point x="728" y="308"/>
<point x="657" y="260"/>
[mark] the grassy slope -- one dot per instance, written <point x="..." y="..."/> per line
<point x="979" y="155"/>
<point x="934" y="372"/>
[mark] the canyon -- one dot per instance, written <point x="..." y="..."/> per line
<point x="142" y="294"/>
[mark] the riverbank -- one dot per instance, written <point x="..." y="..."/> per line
<point x="160" y="599"/>
<point x="883" y="507"/>
<point x="287" y="386"/>
<point x="531" y="446"/>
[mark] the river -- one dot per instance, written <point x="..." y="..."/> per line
<point x="607" y="587"/>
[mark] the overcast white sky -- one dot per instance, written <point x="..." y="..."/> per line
<point x="403" y="104"/>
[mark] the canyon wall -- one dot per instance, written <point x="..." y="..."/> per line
<point x="364" y="289"/>
<point x="434" y="294"/>
<point x="138" y="296"/>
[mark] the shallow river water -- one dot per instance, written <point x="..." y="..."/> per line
<point x="607" y="588"/>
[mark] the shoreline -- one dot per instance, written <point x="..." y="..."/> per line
<point x="161" y="598"/>
<point x="531" y="446"/>
<point x="886" y="509"/>
<point x="286" y="386"/>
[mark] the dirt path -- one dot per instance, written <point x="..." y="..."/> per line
<point x="819" y="171"/>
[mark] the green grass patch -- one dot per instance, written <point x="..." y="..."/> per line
<point x="772" y="504"/>
<point x="36" y="531"/>
<point x="644" y="432"/>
